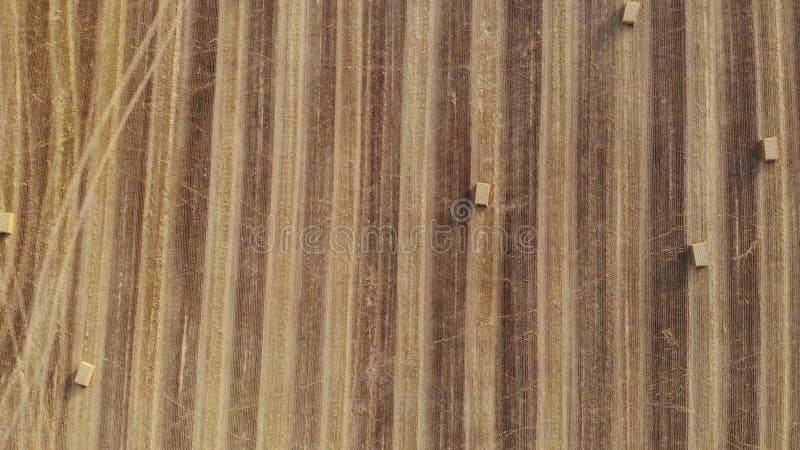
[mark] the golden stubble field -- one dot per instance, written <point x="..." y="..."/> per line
<point x="243" y="214"/>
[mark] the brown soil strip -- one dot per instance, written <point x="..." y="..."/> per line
<point x="452" y="168"/>
<point x="126" y="249"/>
<point x="376" y="294"/>
<point x="739" y="140"/>
<point x="516" y="360"/>
<point x="594" y="306"/>
<point x="666" y="374"/>
<point x="250" y="290"/>
<point x="192" y="170"/>
<point x="315" y="218"/>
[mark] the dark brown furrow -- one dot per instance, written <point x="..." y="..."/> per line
<point x="451" y="181"/>
<point x="192" y="168"/>
<point x="374" y="327"/>
<point x="739" y="144"/>
<point x="516" y="362"/>
<point x="320" y="110"/>
<point x="250" y="290"/>
<point x="594" y="308"/>
<point x="667" y="336"/>
<point x="86" y="16"/>
<point x="126" y="249"/>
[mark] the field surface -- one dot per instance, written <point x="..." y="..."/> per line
<point x="251" y="216"/>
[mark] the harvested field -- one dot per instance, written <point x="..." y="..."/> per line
<point x="251" y="218"/>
